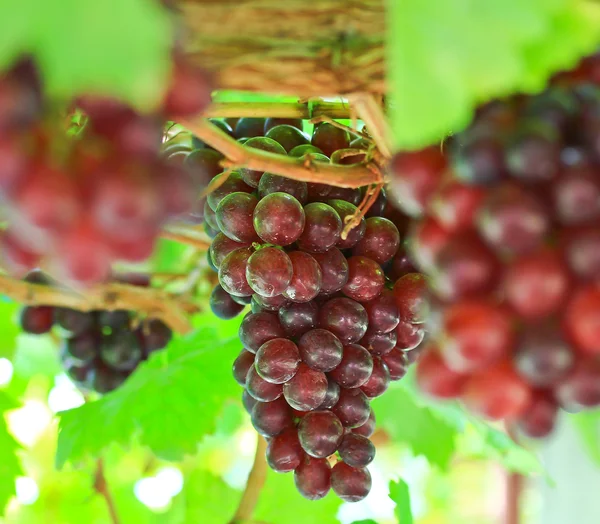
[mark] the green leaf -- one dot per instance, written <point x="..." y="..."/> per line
<point x="587" y="423"/>
<point x="10" y="464"/>
<point x="399" y="493"/>
<point x="280" y="497"/>
<point x="447" y="57"/>
<point x="169" y="404"/>
<point x="423" y="429"/>
<point x="118" y="47"/>
<point x="366" y="521"/>
<point x="9" y="328"/>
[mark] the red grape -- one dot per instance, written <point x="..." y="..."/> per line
<point x="271" y="418"/>
<point x="380" y="241"/>
<point x="365" y="279"/>
<point x="284" y="452"/>
<point x="232" y="272"/>
<point x="222" y="305"/>
<point x="313" y="478"/>
<point x="356" y="451"/>
<point x="455" y="206"/>
<point x="241" y="366"/>
<point x="279" y="219"/>
<point x="352" y="408"/>
<point x="582" y="319"/>
<point x="235" y="217"/>
<point x="350" y="484"/>
<point x="379" y="380"/>
<point x="396" y="362"/>
<point x="321" y="230"/>
<point x="269" y="272"/>
<point x="260" y="389"/>
<point x="37" y="320"/>
<point x="306" y="279"/>
<point x="355" y="368"/>
<point x="345" y="318"/>
<point x="409" y="336"/>
<point x="378" y="343"/>
<point x="334" y="270"/>
<point x="277" y="360"/>
<point x="436" y="379"/>
<point x="270" y="183"/>
<point x="581" y="387"/>
<point x="539" y="419"/>
<point x="320" y="349"/>
<point x="320" y="433"/>
<point x="383" y="312"/>
<point x="258" y="328"/>
<point x="306" y="390"/>
<point x="298" y="318"/>
<point x="410" y="292"/>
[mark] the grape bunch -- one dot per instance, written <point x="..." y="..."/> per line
<point x="508" y="232"/>
<point x="328" y="330"/>
<point x="100" y="349"/>
<point x="78" y="199"/>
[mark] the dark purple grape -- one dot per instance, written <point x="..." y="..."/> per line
<point x="204" y="165"/>
<point x="78" y="373"/>
<point x="397" y="363"/>
<point x="248" y="127"/>
<point x="288" y="136"/>
<point x="332" y="396"/>
<point x="368" y="428"/>
<point x="241" y="366"/>
<point x="346" y="210"/>
<point x="380" y="241"/>
<point x="365" y="279"/>
<point x="279" y="219"/>
<point x="82" y="349"/>
<point x="347" y="194"/>
<point x="116" y="319"/>
<point x="270" y="303"/>
<point x="582" y="251"/>
<point x="329" y="138"/>
<point x="320" y="349"/>
<point x="251" y="176"/>
<point x="409" y="336"/>
<point x="378" y="207"/>
<point x="222" y="305"/>
<point x="539" y="419"/>
<point x="258" y="328"/>
<point x="73" y="321"/>
<point x="533" y="156"/>
<point x="270" y="123"/>
<point x="155" y="335"/>
<point x="355" y="368"/>
<point x="233" y="184"/>
<point x="232" y="272"/>
<point x="306" y="280"/>
<point x="269" y="271"/>
<point x="320" y="433"/>
<point x="260" y="389"/>
<point x="305" y="149"/>
<point x="270" y="183"/>
<point x="322" y="228"/>
<point x="248" y="401"/>
<point x="334" y="270"/>
<point x="379" y="380"/>
<point x="298" y="318"/>
<point x="121" y="350"/>
<point x="345" y="318"/>
<point x="284" y="452"/>
<point x="277" y="360"/>
<point x="37" y="320"/>
<point x="378" y="343"/>
<point x="313" y="478"/>
<point x="383" y="312"/>
<point x="234" y="217"/>
<point x="271" y="418"/>
<point x="221" y="246"/>
<point x="352" y="408"/>
<point x="307" y="390"/>
<point x="350" y="484"/>
<point x="481" y="161"/>
<point x="104" y="380"/>
<point x="576" y="196"/>
<point x="401" y="264"/>
<point x="356" y="451"/>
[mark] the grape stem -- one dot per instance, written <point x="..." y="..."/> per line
<point x="352" y="176"/>
<point x="256" y="481"/>
<point x="371" y="113"/>
<point x="151" y="302"/>
<point x="101" y="487"/>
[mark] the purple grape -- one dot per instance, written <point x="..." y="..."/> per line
<point x="313" y="478"/>
<point x="233" y="184"/>
<point x="82" y="349"/>
<point x="345" y="318"/>
<point x="307" y="390"/>
<point x="235" y="217"/>
<point x="221" y="246"/>
<point x="355" y="368"/>
<point x="241" y="366"/>
<point x="222" y="305"/>
<point x="352" y="408"/>
<point x="260" y="389"/>
<point x="37" y="320"/>
<point x="271" y="418"/>
<point x="298" y="317"/>
<point x="345" y="210"/>
<point x="277" y="360"/>
<point x="378" y="343"/>
<point x="383" y="312"/>
<point x="322" y="228"/>
<point x="232" y="272"/>
<point x="271" y="303"/>
<point x="397" y="363"/>
<point x="365" y="279"/>
<point x="279" y="219"/>
<point x="368" y="428"/>
<point x="380" y="241"/>
<point x="379" y="380"/>
<point x="320" y="433"/>
<point x="350" y="484"/>
<point x="269" y="272"/>
<point x="356" y="451"/>
<point x="284" y="452"/>
<point x="332" y="396"/>
<point x="258" y="328"/>
<point x="306" y="280"/>
<point x="270" y="183"/>
<point x="73" y="321"/>
<point x="251" y="176"/>
<point x="320" y="349"/>
<point x="334" y="270"/>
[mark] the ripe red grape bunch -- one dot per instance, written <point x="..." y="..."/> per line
<point x="76" y="201"/>
<point x="100" y="349"/>
<point x="509" y="233"/>
<point x="327" y="331"/>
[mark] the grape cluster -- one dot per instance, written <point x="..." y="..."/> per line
<point x="509" y="233"/>
<point x="100" y="349"/>
<point x="83" y="197"/>
<point x="328" y="331"/>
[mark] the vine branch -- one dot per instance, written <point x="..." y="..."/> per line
<point x="255" y="483"/>
<point x="151" y="302"/>
<point x="101" y="487"/>
<point x="371" y="113"/>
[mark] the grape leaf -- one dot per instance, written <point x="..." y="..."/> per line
<point x="446" y="57"/>
<point x="8" y="327"/>
<point x="118" y="47"/>
<point x="10" y="464"/>
<point x="168" y="404"/>
<point x="399" y="493"/>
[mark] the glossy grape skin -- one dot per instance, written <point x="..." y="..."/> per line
<point x="270" y="303"/>
<point x="313" y="478"/>
<point x="379" y="380"/>
<point x="222" y="305"/>
<point x="235" y="217"/>
<point x="269" y="272"/>
<point x="298" y="318"/>
<point x="72" y="321"/>
<point x="345" y="318"/>
<point x="582" y="319"/>
<point x="332" y="396"/>
<point x="308" y="149"/>
<point x="536" y="285"/>
<point x="284" y="453"/>
<point x="410" y="293"/>
<point x="397" y="363"/>
<point x="251" y="176"/>
<point x="497" y="393"/>
<point x="368" y="428"/>
<point x="582" y="251"/>
<point x="306" y="390"/>
<point x="356" y="450"/>
<point x="320" y="349"/>
<point x="475" y="335"/>
<point x="82" y="349"/>
<point x="288" y="136"/>
<point x="320" y="433"/>
<point x="329" y="138"/>
<point x="249" y="127"/>
<point x="380" y="241"/>
<point x="277" y="360"/>
<point x="346" y="209"/>
<point x="350" y="484"/>
<point x="270" y="183"/>
<point x="580" y="388"/>
<point x="233" y="184"/>
<point x="539" y="419"/>
<point x="248" y="401"/>
<point x="258" y="328"/>
<point x="279" y="219"/>
<point x="365" y="279"/>
<point x="383" y="312"/>
<point x="322" y="228"/>
<point x="455" y="205"/>
<point x="221" y="246"/>
<point x="306" y="279"/>
<point x="271" y="418"/>
<point x="241" y="366"/>
<point x="436" y="379"/>
<point x="409" y="336"/>
<point x="232" y="273"/>
<point x="352" y="408"/>
<point x="378" y="343"/>
<point x="261" y="389"/>
<point x="270" y="123"/>
<point x="543" y="357"/>
<point x="37" y="320"/>
<point x="334" y="270"/>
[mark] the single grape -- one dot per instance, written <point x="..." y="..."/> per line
<point x="83" y="348"/>
<point x="582" y="251"/>
<point x="455" y="205"/>
<point x="397" y="363"/>
<point x="576" y="196"/>
<point x="233" y="184"/>
<point x="277" y="360"/>
<point x="258" y="328"/>
<point x="121" y="350"/>
<point x="269" y="271"/>
<point x="204" y="165"/>
<point x="279" y="219"/>
<point x="383" y="312"/>
<point x="582" y="320"/>
<point x="409" y="336"/>
<point x="270" y="123"/>
<point x="334" y="270"/>
<point x="329" y="138"/>
<point x="352" y="408"/>
<point x="288" y="136"/>
<point x="581" y="387"/>
<point x="271" y="418"/>
<point x="320" y="349"/>
<point x="410" y="292"/>
<point x="307" y="390"/>
<point x="436" y="379"/>
<point x="313" y="478"/>
<point x="356" y="451"/>
<point x="235" y="217"/>
<point x="298" y="318"/>
<point x="222" y="305"/>
<point x="73" y="321"/>
<point x="539" y="419"/>
<point x="378" y="207"/>
<point x="320" y="433"/>
<point x="368" y="428"/>
<point x="37" y="320"/>
<point x="241" y="366"/>
<point x="284" y="453"/>
<point x="380" y="241"/>
<point x="221" y="246"/>
<point x="306" y="279"/>
<point x="365" y="279"/>
<point x="232" y="272"/>
<point x="350" y="484"/>
<point x="426" y="241"/>
<point x="248" y="127"/>
<point x="259" y="388"/>
<point x="534" y="156"/>
<point x="378" y="343"/>
<point x="322" y="228"/>
<point x="401" y="264"/>
<point x="104" y="379"/>
<point x="346" y="210"/>
<point x="155" y="334"/>
<point x="332" y="396"/>
<point x="345" y="318"/>
<point x="270" y="183"/>
<point x="251" y="176"/>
